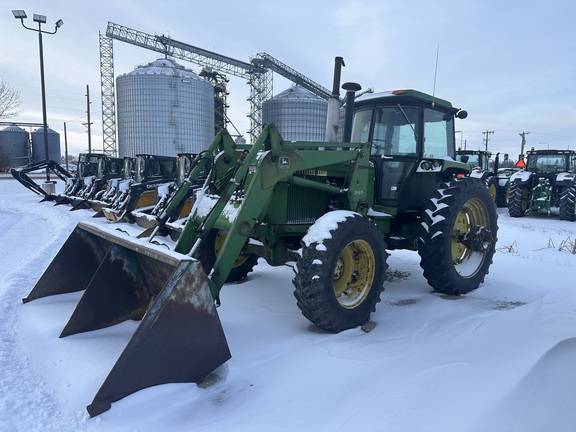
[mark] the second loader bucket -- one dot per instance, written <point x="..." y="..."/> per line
<point x="180" y="337"/>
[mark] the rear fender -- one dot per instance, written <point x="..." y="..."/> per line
<point x="520" y="177"/>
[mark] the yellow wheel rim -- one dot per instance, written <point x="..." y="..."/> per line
<point x="493" y="191"/>
<point x="219" y="242"/>
<point x="472" y="213"/>
<point x="354" y="274"/>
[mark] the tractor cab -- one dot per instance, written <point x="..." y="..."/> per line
<point x="109" y="167"/>
<point x="88" y="164"/>
<point x="412" y="145"/>
<point x="477" y="159"/>
<point x="549" y="163"/>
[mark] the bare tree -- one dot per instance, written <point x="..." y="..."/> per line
<point x="9" y="100"/>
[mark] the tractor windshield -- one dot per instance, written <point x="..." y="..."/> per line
<point x="394" y="131"/>
<point x="87" y="166"/>
<point x="551" y="163"/>
<point x="471" y="159"/>
<point x="474" y="160"/>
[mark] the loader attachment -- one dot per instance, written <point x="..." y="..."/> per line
<point x="180" y="337"/>
<point x="21" y="174"/>
<point x="73" y="266"/>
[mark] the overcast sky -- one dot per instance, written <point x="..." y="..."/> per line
<point x="510" y="64"/>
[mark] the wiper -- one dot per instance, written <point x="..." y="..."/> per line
<point x="408" y="122"/>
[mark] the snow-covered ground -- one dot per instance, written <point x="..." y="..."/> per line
<point x="502" y="358"/>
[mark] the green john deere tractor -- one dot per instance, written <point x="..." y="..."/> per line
<point x="548" y="180"/>
<point x="487" y="170"/>
<point x="330" y="209"/>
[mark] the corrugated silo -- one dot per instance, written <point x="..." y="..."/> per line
<point x="38" y="150"/>
<point x="14" y="146"/>
<point x="164" y="109"/>
<point x="299" y="114"/>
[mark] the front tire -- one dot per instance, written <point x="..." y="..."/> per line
<point x="209" y="249"/>
<point x="459" y="227"/>
<point x="341" y="271"/>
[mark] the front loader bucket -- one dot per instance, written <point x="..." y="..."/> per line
<point x="97" y="206"/>
<point x="62" y="199"/>
<point x="80" y="204"/>
<point x="180" y="338"/>
<point x="73" y="267"/>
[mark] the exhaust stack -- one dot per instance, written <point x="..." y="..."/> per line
<point x="333" y="114"/>
<point x="351" y="89"/>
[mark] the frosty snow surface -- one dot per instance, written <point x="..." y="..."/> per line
<point x="501" y="358"/>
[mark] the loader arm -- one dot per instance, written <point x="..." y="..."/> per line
<point x="222" y="141"/>
<point x="21" y="174"/>
<point x="269" y="162"/>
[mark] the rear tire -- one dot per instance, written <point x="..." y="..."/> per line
<point x="459" y="209"/>
<point x="568" y="204"/>
<point x="517" y="200"/>
<point x="340" y="275"/>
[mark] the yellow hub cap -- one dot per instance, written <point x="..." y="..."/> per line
<point x="354" y="274"/>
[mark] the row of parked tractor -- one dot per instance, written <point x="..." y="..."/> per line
<point x="129" y="189"/>
<point x="137" y="189"/>
<point x="546" y="179"/>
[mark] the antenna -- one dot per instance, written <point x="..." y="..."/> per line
<point x="435" y="72"/>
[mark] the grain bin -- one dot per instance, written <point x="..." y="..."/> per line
<point x="38" y="149"/>
<point x="13" y="146"/>
<point x="298" y="114"/>
<point x="164" y="109"/>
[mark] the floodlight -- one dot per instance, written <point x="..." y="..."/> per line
<point x="59" y="23"/>
<point x="19" y="14"/>
<point x="40" y="18"/>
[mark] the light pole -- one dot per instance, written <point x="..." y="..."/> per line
<point x="461" y="138"/>
<point x="40" y="19"/>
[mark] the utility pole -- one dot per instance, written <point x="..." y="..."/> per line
<point x="523" y="135"/>
<point x="66" y="146"/>
<point x="88" y="123"/>
<point x="486" y="138"/>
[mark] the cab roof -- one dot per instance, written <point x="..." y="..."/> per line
<point x="550" y="152"/>
<point x="404" y="95"/>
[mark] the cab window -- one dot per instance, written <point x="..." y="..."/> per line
<point x="395" y="130"/>
<point x="438" y="134"/>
